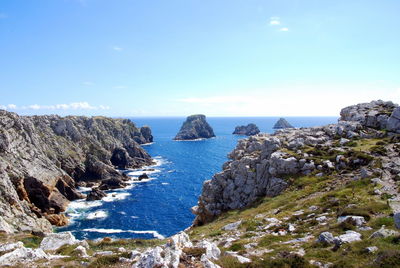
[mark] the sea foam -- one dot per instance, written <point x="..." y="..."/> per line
<point x="117" y="231"/>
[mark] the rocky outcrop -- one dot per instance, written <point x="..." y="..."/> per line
<point x="259" y="165"/>
<point x="195" y="127"/>
<point x="42" y="158"/>
<point x="282" y="123"/>
<point x="249" y="130"/>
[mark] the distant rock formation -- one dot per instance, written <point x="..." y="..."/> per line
<point x="195" y="127"/>
<point x="249" y="130"/>
<point x="44" y="158"/>
<point x="282" y="123"/>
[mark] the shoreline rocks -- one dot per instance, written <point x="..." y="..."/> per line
<point x="282" y="123"/>
<point x="195" y="127"/>
<point x="249" y="130"/>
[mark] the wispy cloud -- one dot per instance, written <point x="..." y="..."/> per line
<point x="117" y="48"/>
<point x="274" y="21"/>
<point x="71" y="106"/>
<point x="88" y="83"/>
<point x="284" y="29"/>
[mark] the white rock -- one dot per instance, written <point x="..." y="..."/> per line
<point x="241" y="259"/>
<point x="396" y="218"/>
<point x="383" y="232"/>
<point x="358" y="220"/>
<point x="371" y="249"/>
<point x="54" y="241"/>
<point x="207" y="263"/>
<point x="321" y="219"/>
<point x="151" y="258"/>
<point x="348" y="237"/>
<point x="5" y="227"/>
<point x="103" y="253"/>
<point x="135" y="254"/>
<point x="232" y="226"/>
<point x="326" y="237"/>
<point x="81" y="252"/>
<point x="179" y="241"/>
<point x="10" y="246"/>
<point x="23" y="255"/>
<point x="212" y="251"/>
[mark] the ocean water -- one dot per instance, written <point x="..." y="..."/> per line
<point x="160" y="207"/>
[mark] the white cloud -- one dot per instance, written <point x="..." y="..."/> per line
<point x="70" y="106"/>
<point x="117" y="48"/>
<point x="274" y="22"/>
<point x="102" y="107"/>
<point x="120" y="87"/>
<point x="284" y="29"/>
<point x="88" y="83"/>
<point x="34" y="107"/>
<point x="12" y="106"/>
<point x="3" y="107"/>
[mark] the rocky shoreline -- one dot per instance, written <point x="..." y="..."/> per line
<point x="44" y="158"/>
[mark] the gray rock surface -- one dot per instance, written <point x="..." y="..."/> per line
<point x="195" y="127"/>
<point x="42" y="158"/>
<point x="249" y="130"/>
<point x="54" y="241"/>
<point x="282" y="123"/>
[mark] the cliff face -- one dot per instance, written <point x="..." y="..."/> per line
<point x="195" y="127"/>
<point x="259" y="166"/>
<point x="43" y="158"/>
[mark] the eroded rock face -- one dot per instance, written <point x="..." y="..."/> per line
<point x="259" y="164"/>
<point x="195" y="127"/>
<point x="249" y="130"/>
<point x="42" y="158"/>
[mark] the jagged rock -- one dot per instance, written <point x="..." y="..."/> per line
<point x="95" y="194"/>
<point x="282" y="123"/>
<point x="232" y="226"/>
<point x="57" y="219"/>
<point x="23" y="255"/>
<point x="326" y="237"/>
<point x="146" y="134"/>
<point x="383" y="232"/>
<point x="396" y="218"/>
<point x="10" y="247"/>
<point x="348" y="237"/>
<point x="195" y="127"/>
<point x="207" y="263"/>
<point x="54" y="241"/>
<point x="43" y="158"/>
<point x="241" y="259"/>
<point x="113" y="183"/>
<point x="80" y="251"/>
<point x="143" y="177"/>
<point x="393" y="123"/>
<point x="212" y="251"/>
<point x="357" y="220"/>
<point x="249" y="130"/>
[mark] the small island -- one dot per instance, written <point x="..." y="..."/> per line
<point x="249" y="130"/>
<point x="282" y="123"/>
<point x="195" y="127"/>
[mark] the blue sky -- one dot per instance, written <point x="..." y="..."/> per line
<point x="179" y="57"/>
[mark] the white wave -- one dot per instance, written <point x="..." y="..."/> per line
<point x="83" y="205"/>
<point x="122" y="212"/>
<point x="143" y="180"/>
<point x="134" y="217"/>
<point x="99" y="214"/>
<point x="115" y="196"/>
<point x="149" y="143"/>
<point x="165" y="183"/>
<point x="84" y="189"/>
<point x="116" y="231"/>
<point x="141" y="171"/>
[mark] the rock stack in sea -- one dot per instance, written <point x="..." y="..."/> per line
<point x="249" y="130"/>
<point x="44" y="158"/>
<point x="195" y="127"/>
<point x="282" y="123"/>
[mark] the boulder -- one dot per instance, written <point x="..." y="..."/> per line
<point x="282" y="123"/>
<point x="54" y="241"/>
<point x="143" y="177"/>
<point x="195" y="127"/>
<point x="10" y="247"/>
<point x="207" y="263"/>
<point x="80" y="251"/>
<point x="212" y="250"/>
<point x="232" y="226"/>
<point x="95" y="194"/>
<point x="22" y="255"/>
<point x="249" y="130"/>
<point x="356" y="220"/>
<point x="326" y="237"/>
<point x="348" y="237"/>
<point x="393" y="123"/>
<point x="383" y="232"/>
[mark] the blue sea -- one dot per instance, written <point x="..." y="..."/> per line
<point x="160" y="207"/>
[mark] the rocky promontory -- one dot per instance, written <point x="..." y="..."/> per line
<point x="282" y="123"/>
<point x="195" y="127"/>
<point x="44" y="158"/>
<point x="249" y="130"/>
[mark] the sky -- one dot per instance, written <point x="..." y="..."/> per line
<point x="181" y="57"/>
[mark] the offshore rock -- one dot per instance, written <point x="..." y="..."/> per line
<point x="249" y="130"/>
<point x="282" y="123"/>
<point x="43" y="158"/>
<point x="195" y="127"/>
<point x="95" y="194"/>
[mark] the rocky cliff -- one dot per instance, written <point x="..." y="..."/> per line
<point x="249" y="130"/>
<point x="44" y="158"/>
<point x="195" y="127"/>
<point x="260" y="165"/>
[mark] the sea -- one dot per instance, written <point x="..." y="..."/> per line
<point x="159" y="207"/>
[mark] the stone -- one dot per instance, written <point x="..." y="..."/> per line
<point x="383" y="232"/>
<point x="348" y="237"/>
<point x="54" y="241"/>
<point x="232" y="226"/>
<point x="143" y="177"/>
<point x="241" y="259"/>
<point x="396" y="217"/>
<point x="151" y="258"/>
<point x="23" y="255"/>
<point x="326" y="237"/>
<point x="357" y="220"/>
<point x="282" y="123"/>
<point x="371" y="249"/>
<point x="95" y="194"/>
<point x="195" y="127"/>
<point x="249" y="130"/>
<point x="212" y="251"/>
<point x="207" y="263"/>
<point x="10" y="247"/>
<point x="180" y="240"/>
<point x="393" y="123"/>
<point x="81" y="252"/>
